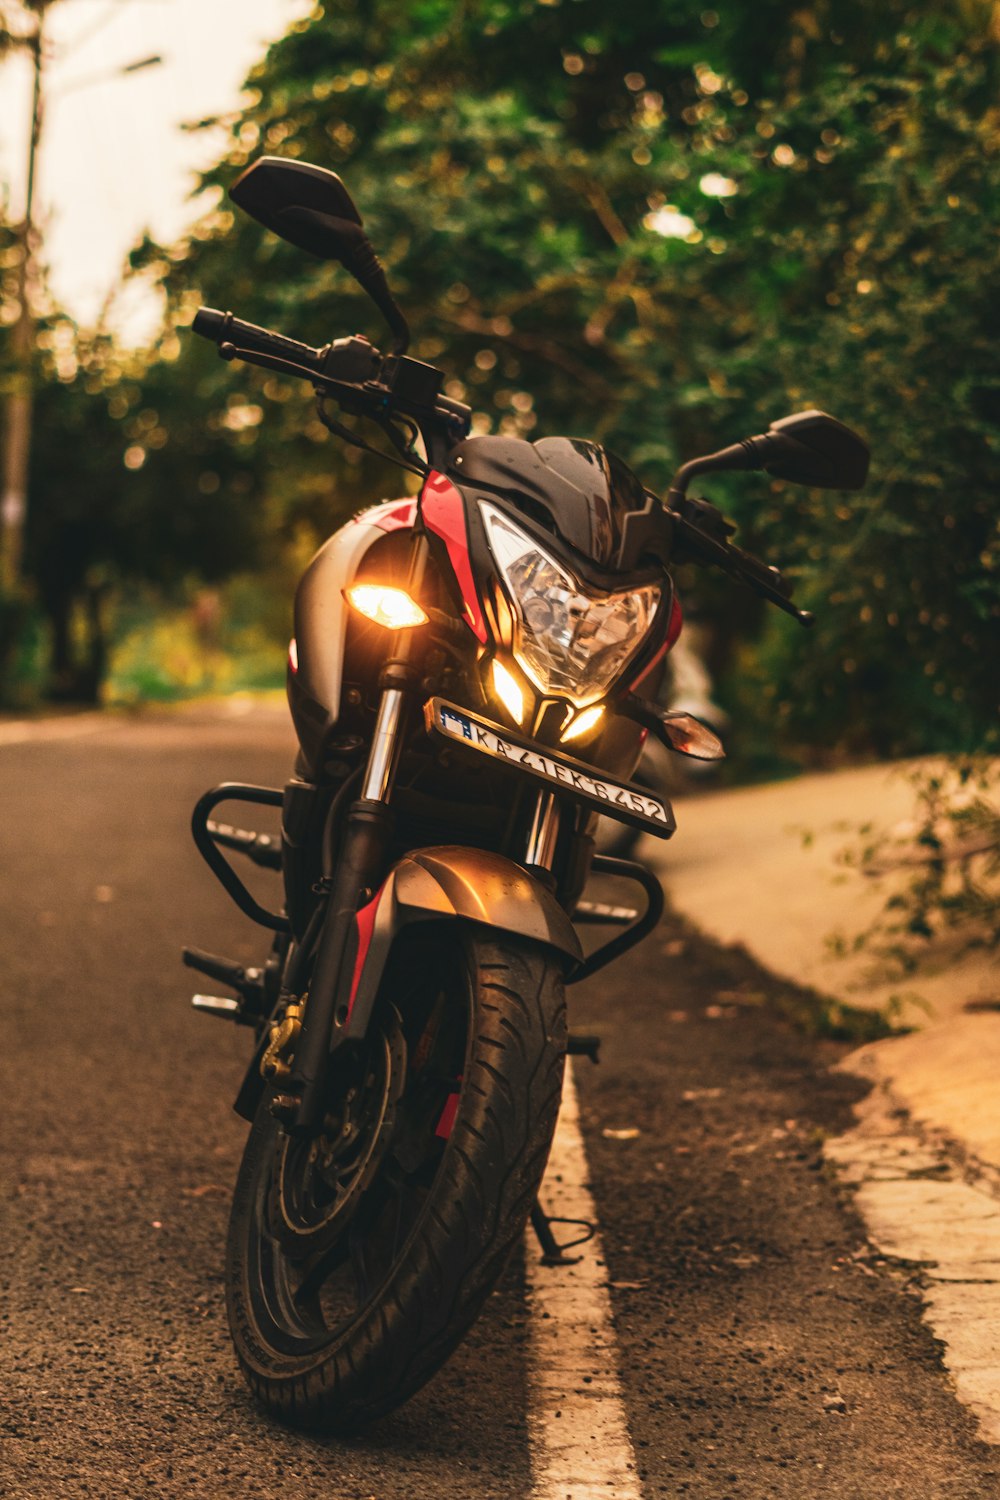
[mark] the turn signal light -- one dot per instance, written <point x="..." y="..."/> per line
<point x="508" y="690"/>
<point x="585" y="721"/>
<point x="690" y="737"/>
<point x="387" y="606"/>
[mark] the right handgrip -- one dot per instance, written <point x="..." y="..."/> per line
<point x="344" y="363"/>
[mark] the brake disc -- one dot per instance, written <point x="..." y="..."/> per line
<point x="319" y="1182"/>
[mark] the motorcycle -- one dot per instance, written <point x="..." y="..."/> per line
<point x="472" y="678"/>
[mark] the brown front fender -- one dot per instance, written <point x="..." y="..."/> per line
<point x="444" y="883"/>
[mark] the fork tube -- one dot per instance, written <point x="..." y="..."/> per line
<point x="541" y="850"/>
<point x="360" y="862"/>
<point x="359" y="868"/>
<point x="384" y="743"/>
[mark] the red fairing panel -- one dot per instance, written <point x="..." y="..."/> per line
<point x="673" y="631"/>
<point x="443" y="511"/>
<point x="366" y="926"/>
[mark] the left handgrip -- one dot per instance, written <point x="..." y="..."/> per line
<point x="208" y="323"/>
<point x="247" y="338"/>
<point x="699" y="546"/>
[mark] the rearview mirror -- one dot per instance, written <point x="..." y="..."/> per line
<point x="812" y="448"/>
<point x="807" y="448"/>
<point x="310" y="207"/>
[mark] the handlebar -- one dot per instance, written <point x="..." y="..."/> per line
<point x="350" y="370"/>
<point x="366" y="383"/>
<point x="701" y="534"/>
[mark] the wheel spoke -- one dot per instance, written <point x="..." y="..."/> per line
<point x="356" y="1251"/>
<point x="319" y="1273"/>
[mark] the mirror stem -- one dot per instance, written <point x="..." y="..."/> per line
<point x="367" y="270"/>
<point x="736" y="456"/>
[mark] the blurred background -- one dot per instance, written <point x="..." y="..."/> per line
<point x="659" y="225"/>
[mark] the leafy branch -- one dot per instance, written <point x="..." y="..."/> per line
<point x="940" y="868"/>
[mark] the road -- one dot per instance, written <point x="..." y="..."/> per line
<point x="763" y="1351"/>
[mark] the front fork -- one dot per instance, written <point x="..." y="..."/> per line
<point x="360" y="864"/>
<point x="359" y="867"/>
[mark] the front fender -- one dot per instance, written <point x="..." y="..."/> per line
<point x="445" y="883"/>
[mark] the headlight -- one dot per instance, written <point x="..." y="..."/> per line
<point x="570" y="643"/>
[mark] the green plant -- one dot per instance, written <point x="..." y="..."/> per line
<point x="939" y="869"/>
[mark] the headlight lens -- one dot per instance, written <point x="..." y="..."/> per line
<point x="570" y="643"/>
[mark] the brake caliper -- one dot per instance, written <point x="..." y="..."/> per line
<point x="275" y="1065"/>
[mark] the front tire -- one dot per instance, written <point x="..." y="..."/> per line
<point x="416" y="1252"/>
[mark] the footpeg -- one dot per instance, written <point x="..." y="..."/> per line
<point x="250" y="1008"/>
<point x="599" y="913"/>
<point x="260" y="847"/>
<point x="223" y="1006"/>
<point x="246" y="981"/>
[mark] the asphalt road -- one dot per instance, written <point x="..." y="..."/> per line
<point x="764" y="1352"/>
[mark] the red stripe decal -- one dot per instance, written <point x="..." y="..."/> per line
<point x="365" y="920"/>
<point x="447" y="1120"/>
<point x="401" y="516"/>
<point x="673" y="631"/>
<point x="443" y="511"/>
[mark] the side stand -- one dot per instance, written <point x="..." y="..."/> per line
<point x="554" y="1254"/>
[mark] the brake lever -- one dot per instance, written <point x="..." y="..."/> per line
<point x="716" y="552"/>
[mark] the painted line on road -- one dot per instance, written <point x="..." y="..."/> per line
<point x="923" y="1206"/>
<point x="30" y="731"/>
<point x="578" y="1431"/>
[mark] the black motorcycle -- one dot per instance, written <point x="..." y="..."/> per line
<point x="472" y="678"/>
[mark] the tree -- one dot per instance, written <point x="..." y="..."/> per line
<point x="102" y="521"/>
<point x="663" y="226"/>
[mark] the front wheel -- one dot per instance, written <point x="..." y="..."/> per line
<point x="357" y="1260"/>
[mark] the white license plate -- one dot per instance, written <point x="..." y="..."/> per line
<point x="626" y="804"/>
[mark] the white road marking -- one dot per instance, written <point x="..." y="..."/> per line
<point x="29" y="731"/>
<point x="578" y="1431"/>
<point x="920" y="1205"/>
<point x="152" y="728"/>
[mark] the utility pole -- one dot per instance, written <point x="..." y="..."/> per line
<point x="17" y="425"/>
<point x="16" y="456"/>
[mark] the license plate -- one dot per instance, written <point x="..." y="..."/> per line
<point x="616" y="799"/>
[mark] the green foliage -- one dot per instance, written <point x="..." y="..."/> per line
<point x="661" y="226"/>
<point x="841" y="177"/>
<point x="939" y="870"/>
<point x="99" y="518"/>
<point x="208" y="642"/>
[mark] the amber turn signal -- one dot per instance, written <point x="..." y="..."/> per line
<point x="688" y="736"/>
<point x="386" y="606"/>
<point x="584" y="721"/>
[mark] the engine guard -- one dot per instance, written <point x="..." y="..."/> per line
<point x="440" y="884"/>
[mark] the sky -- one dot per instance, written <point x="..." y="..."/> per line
<point x="114" y="158"/>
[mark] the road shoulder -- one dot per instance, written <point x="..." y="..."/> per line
<point x="759" y="868"/>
